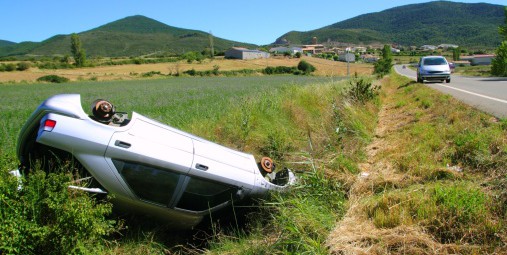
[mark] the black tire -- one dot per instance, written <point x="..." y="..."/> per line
<point x="419" y="80"/>
<point x="448" y="80"/>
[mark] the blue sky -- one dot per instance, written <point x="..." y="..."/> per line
<point x="253" y="21"/>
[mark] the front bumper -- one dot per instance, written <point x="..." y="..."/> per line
<point x="435" y="76"/>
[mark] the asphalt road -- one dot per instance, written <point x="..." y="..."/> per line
<point x="486" y="94"/>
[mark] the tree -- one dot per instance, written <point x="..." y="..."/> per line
<point x="456" y="54"/>
<point x="503" y="29"/>
<point x="384" y="65"/>
<point x="499" y="63"/>
<point x="77" y="51"/>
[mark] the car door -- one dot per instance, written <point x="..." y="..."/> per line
<point x="220" y="164"/>
<point x="151" y="160"/>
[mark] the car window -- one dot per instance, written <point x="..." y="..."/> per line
<point x="147" y="182"/>
<point x="434" y="61"/>
<point x="201" y="195"/>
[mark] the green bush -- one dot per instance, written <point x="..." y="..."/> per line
<point x="7" y="67"/>
<point x="53" y="78"/>
<point x="151" y="74"/>
<point x="306" y="67"/>
<point x="362" y="89"/>
<point x="22" y="66"/>
<point x="279" y="70"/>
<point x="45" y="217"/>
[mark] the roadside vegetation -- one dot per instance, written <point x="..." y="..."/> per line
<point x="311" y="126"/>
<point x="385" y="167"/>
<point x="433" y="182"/>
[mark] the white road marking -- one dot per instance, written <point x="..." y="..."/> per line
<point x="473" y="93"/>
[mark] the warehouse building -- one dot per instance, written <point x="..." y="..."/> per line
<point x="244" y="53"/>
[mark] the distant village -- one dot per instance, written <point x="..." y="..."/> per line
<point x="348" y="53"/>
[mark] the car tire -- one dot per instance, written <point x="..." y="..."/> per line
<point x="448" y="80"/>
<point x="419" y="80"/>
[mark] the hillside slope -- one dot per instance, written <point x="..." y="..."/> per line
<point x="471" y="25"/>
<point x="131" y="36"/>
<point x="6" y="43"/>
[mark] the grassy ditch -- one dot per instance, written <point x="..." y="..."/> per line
<point x="439" y="177"/>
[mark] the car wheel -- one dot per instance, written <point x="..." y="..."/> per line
<point x="448" y="80"/>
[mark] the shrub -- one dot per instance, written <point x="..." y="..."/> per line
<point x="22" y="66"/>
<point x="44" y="217"/>
<point x="191" y="72"/>
<point x="298" y="54"/>
<point x="216" y="69"/>
<point x="306" y="67"/>
<point x="151" y="74"/>
<point x="9" y="67"/>
<point x="53" y="78"/>
<point x="362" y="90"/>
<point x="279" y="70"/>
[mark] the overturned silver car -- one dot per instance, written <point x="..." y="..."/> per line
<point x="147" y="166"/>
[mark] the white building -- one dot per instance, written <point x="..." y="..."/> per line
<point x="428" y="47"/>
<point x="281" y="50"/>
<point x="244" y="53"/>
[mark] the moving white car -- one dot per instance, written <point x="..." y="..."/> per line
<point x="433" y="68"/>
<point x="148" y="166"/>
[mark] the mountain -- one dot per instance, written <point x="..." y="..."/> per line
<point x="470" y="25"/>
<point x="6" y="43"/>
<point x="130" y="36"/>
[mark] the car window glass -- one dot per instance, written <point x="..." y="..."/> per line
<point x="434" y="61"/>
<point x="202" y="195"/>
<point x="147" y="182"/>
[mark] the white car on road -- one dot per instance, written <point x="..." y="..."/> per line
<point x="433" y="68"/>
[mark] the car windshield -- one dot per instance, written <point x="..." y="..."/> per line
<point x="434" y="61"/>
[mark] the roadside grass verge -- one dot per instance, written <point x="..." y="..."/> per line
<point x="316" y="130"/>
<point x="453" y="161"/>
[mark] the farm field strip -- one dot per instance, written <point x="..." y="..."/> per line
<point x="132" y="71"/>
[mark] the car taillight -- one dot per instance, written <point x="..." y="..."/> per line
<point x="49" y="125"/>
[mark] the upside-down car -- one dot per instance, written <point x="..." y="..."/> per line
<point x="148" y="166"/>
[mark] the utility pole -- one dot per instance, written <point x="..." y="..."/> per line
<point x="211" y="45"/>
<point x="348" y="63"/>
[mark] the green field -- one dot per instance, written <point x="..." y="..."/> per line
<point x="177" y="101"/>
<point x="274" y="116"/>
<point x="436" y="169"/>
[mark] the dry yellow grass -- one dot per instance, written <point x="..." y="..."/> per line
<point x="127" y="72"/>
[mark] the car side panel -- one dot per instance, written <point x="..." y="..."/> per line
<point x="151" y="144"/>
<point x="221" y="164"/>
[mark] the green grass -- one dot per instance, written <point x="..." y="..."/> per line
<point x="473" y="70"/>
<point x="453" y="160"/>
<point x="180" y="102"/>
<point x="279" y="116"/>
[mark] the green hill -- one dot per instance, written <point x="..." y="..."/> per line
<point x="4" y="43"/>
<point x="471" y="25"/>
<point x="131" y="36"/>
